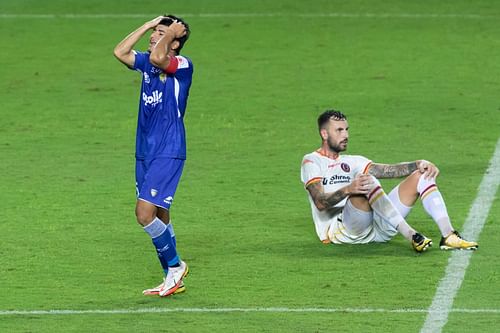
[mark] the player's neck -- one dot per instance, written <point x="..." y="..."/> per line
<point x="325" y="151"/>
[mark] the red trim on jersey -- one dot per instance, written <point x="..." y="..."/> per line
<point x="173" y="63"/>
<point x="314" y="180"/>
<point x="365" y="170"/>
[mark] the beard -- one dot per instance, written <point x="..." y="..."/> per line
<point x="337" y="147"/>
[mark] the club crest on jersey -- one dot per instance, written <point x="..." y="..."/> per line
<point x="163" y="77"/>
<point x="345" y="167"/>
<point x="153" y="99"/>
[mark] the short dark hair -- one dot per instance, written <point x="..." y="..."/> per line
<point x="325" y="117"/>
<point x="168" y="20"/>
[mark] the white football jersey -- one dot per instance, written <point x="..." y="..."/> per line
<point x="333" y="174"/>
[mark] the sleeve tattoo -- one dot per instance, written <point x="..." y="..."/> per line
<point x="392" y="170"/>
<point x="324" y="200"/>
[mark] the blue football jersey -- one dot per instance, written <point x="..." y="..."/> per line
<point x="162" y="104"/>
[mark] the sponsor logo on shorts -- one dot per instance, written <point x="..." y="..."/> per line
<point x="168" y="200"/>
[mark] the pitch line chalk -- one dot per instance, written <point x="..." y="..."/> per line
<point x="459" y="260"/>
<point x="230" y="310"/>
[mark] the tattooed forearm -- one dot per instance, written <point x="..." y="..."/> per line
<point x="324" y="200"/>
<point x="392" y="170"/>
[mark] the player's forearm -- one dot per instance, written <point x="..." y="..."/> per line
<point x="160" y="53"/>
<point x="124" y="49"/>
<point x="392" y="170"/>
<point x="326" y="200"/>
<point x="334" y="198"/>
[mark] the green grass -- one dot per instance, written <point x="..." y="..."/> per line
<point x="413" y="87"/>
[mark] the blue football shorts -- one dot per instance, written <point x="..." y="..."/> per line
<point x="157" y="180"/>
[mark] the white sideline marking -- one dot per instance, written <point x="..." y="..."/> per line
<point x="257" y="15"/>
<point x="227" y="310"/>
<point x="459" y="260"/>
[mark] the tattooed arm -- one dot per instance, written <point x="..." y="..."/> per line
<point x="403" y="169"/>
<point x="361" y="185"/>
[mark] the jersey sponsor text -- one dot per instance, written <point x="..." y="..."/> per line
<point x="153" y="99"/>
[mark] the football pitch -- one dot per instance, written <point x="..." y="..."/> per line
<point x="417" y="80"/>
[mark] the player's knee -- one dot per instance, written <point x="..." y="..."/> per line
<point x="424" y="183"/>
<point x="144" y="215"/>
<point x="143" y="218"/>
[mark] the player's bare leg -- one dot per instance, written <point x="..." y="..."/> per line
<point x="163" y="215"/>
<point x="407" y="190"/>
<point x="145" y="212"/>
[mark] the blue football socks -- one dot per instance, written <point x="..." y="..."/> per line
<point x="170" y="228"/>
<point x="164" y="243"/>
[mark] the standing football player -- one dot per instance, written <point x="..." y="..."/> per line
<point x="160" y="139"/>
<point x="349" y="205"/>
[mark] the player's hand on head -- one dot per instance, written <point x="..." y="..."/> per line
<point x="362" y="184"/>
<point x="178" y="28"/>
<point x="154" y="22"/>
<point x="428" y="169"/>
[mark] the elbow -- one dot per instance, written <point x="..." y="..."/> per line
<point x="118" y="53"/>
<point x="320" y="206"/>
<point x="156" y="59"/>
